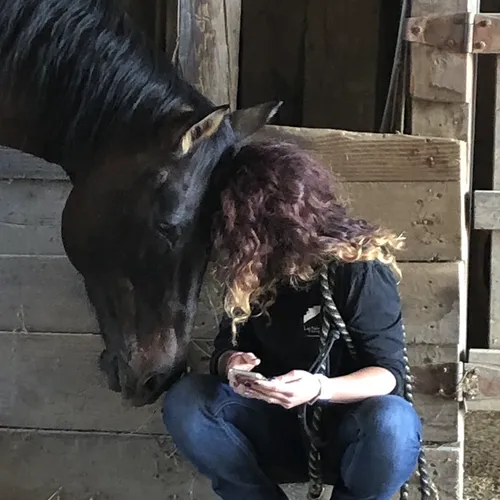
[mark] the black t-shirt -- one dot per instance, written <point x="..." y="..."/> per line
<point x="367" y="296"/>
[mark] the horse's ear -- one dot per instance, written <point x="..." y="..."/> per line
<point x="246" y="122"/>
<point x="202" y="129"/>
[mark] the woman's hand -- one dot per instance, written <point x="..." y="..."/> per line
<point x="246" y="361"/>
<point x="290" y="390"/>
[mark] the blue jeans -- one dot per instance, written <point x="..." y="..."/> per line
<point x="234" y="441"/>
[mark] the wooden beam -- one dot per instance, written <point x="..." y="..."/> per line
<point x="494" y="326"/>
<point x="30" y="216"/>
<point x="427" y="213"/>
<point x="208" y="47"/>
<point x="487" y="210"/>
<point x="364" y="156"/>
<point x="45" y="294"/>
<point x="353" y="156"/>
<point x="71" y="393"/>
<point x="482" y="387"/>
<point x="484" y="356"/>
<point x="37" y="464"/>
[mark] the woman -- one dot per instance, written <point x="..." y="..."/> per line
<point x="280" y="224"/>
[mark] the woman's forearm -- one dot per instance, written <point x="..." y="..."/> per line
<point x="362" y="384"/>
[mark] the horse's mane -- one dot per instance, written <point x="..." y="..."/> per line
<point x="85" y="70"/>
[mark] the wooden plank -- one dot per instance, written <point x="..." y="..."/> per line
<point x="272" y="65"/>
<point x="484" y="356"/>
<point x="30" y="216"/>
<point x="446" y="463"/>
<point x="487" y="210"/>
<point x="208" y="44"/>
<point x="45" y="294"/>
<point x="52" y="381"/>
<point x="370" y="157"/>
<point x="15" y="164"/>
<point x="341" y="64"/>
<point x="353" y="156"/>
<point x="35" y="465"/>
<point x="482" y="387"/>
<point x="427" y="213"/>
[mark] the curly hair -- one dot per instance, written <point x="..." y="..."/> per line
<point x="281" y="222"/>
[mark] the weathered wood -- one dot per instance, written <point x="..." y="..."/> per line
<point x="442" y="82"/>
<point x="487" y="210"/>
<point x="353" y="156"/>
<point x="209" y="47"/>
<point x="494" y="326"/>
<point x="272" y="65"/>
<point x="30" y="216"/>
<point x="427" y="213"/>
<point x="341" y="64"/>
<point x="370" y="157"/>
<point x="15" y="164"/>
<point x="52" y="381"/>
<point x="484" y="356"/>
<point x="482" y="387"/>
<point x="45" y="294"/>
<point x="35" y="465"/>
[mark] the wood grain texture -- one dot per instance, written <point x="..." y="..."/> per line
<point x="353" y="156"/>
<point x="494" y="326"/>
<point x="341" y="64"/>
<point x="45" y="294"/>
<point x="35" y="465"/>
<point x="30" y="216"/>
<point x="15" y="164"/>
<point x="52" y="381"/>
<point x="272" y="65"/>
<point x="427" y="213"/>
<point x="371" y="157"/>
<point x="208" y="44"/>
<point x="487" y="210"/>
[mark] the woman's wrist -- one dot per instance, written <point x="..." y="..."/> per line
<point x="324" y="389"/>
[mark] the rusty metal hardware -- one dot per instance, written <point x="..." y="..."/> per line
<point x="461" y="33"/>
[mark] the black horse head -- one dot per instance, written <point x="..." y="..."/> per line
<point x="147" y="155"/>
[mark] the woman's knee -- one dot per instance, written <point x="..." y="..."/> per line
<point x="187" y="403"/>
<point x="390" y="417"/>
<point x="383" y="440"/>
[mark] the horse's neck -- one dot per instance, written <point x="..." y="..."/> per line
<point x="19" y="130"/>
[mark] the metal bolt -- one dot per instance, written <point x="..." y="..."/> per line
<point x="485" y="23"/>
<point x="480" y="45"/>
<point x="450" y="42"/>
<point x="416" y="30"/>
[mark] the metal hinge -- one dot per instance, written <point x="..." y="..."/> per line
<point x="462" y="33"/>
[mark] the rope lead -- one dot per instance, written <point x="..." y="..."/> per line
<point x="332" y="328"/>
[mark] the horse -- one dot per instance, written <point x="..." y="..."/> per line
<point x="147" y="156"/>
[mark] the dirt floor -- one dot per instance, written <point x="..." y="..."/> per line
<point x="482" y="456"/>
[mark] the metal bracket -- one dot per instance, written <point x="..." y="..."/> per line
<point x="465" y="33"/>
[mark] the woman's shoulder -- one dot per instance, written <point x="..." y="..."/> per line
<point x="363" y="270"/>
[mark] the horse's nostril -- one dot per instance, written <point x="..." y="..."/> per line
<point x="151" y="383"/>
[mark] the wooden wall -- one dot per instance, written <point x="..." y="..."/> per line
<point x="62" y="430"/>
<point x="55" y="402"/>
<point x="328" y="61"/>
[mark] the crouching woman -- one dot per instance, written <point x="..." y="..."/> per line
<point x="280" y="224"/>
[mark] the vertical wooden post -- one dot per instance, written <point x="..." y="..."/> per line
<point x="494" y="329"/>
<point x="442" y="90"/>
<point x="208" y="47"/>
